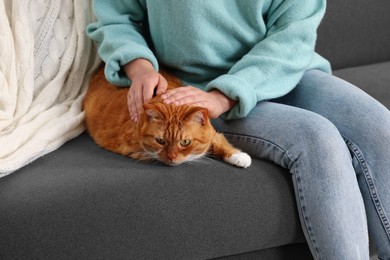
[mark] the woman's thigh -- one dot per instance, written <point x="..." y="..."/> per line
<point x="315" y="153"/>
<point x="364" y="123"/>
<point x="356" y="115"/>
<point x="280" y="132"/>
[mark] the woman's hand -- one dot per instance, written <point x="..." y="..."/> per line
<point x="215" y="101"/>
<point x="145" y="81"/>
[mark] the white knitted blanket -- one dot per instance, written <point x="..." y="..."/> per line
<point x="45" y="63"/>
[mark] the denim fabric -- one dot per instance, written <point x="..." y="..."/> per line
<point x="335" y="141"/>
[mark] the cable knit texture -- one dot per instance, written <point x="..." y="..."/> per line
<point x="45" y="64"/>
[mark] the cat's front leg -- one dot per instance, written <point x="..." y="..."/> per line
<point x="239" y="159"/>
<point x="222" y="148"/>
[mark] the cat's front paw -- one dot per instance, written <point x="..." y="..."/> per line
<point x="239" y="159"/>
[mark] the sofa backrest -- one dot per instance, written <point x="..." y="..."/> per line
<point x="355" y="32"/>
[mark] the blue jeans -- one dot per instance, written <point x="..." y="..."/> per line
<point x="335" y="141"/>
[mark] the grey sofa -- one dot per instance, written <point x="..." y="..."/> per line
<point x="82" y="202"/>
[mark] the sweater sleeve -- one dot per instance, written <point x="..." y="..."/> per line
<point x="119" y="34"/>
<point x="275" y="65"/>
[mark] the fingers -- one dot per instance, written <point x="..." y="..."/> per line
<point x="214" y="101"/>
<point x="134" y="103"/>
<point x="192" y="96"/>
<point x="183" y="95"/>
<point x="142" y="92"/>
<point x="162" y="86"/>
<point x="148" y="89"/>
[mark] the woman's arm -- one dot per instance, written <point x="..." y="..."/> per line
<point x="120" y="36"/>
<point x="275" y="65"/>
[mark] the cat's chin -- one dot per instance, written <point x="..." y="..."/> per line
<point x="190" y="158"/>
<point x="169" y="163"/>
<point x="173" y="163"/>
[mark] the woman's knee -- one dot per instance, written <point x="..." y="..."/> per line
<point x="319" y="139"/>
<point x="283" y="134"/>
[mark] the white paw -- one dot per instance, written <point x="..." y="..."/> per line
<point x="239" y="159"/>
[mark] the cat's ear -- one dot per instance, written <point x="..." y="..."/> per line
<point x="199" y="115"/>
<point x="152" y="113"/>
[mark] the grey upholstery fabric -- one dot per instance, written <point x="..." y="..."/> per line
<point x="373" y="79"/>
<point x="355" y="33"/>
<point x="84" y="202"/>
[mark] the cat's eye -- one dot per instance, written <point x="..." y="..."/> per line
<point x="185" y="142"/>
<point x="160" y="141"/>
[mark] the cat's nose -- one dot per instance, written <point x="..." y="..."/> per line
<point x="171" y="157"/>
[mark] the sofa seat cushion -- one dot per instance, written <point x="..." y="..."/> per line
<point x="373" y="79"/>
<point x="84" y="202"/>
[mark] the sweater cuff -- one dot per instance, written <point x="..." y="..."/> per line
<point x="113" y="69"/>
<point x="238" y="90"/>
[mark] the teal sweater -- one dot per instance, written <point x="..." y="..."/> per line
<point x="251" y="50"/>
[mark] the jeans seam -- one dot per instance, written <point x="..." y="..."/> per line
<point x="255" y="138"/>
<point x="298" y="179"/>
<point x="302" y="203"/>
<point x="371" y="186"/>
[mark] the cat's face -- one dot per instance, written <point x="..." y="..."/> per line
<point x="174" y="135"/>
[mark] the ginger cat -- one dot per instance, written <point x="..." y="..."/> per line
<point x="167" y="133"/>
